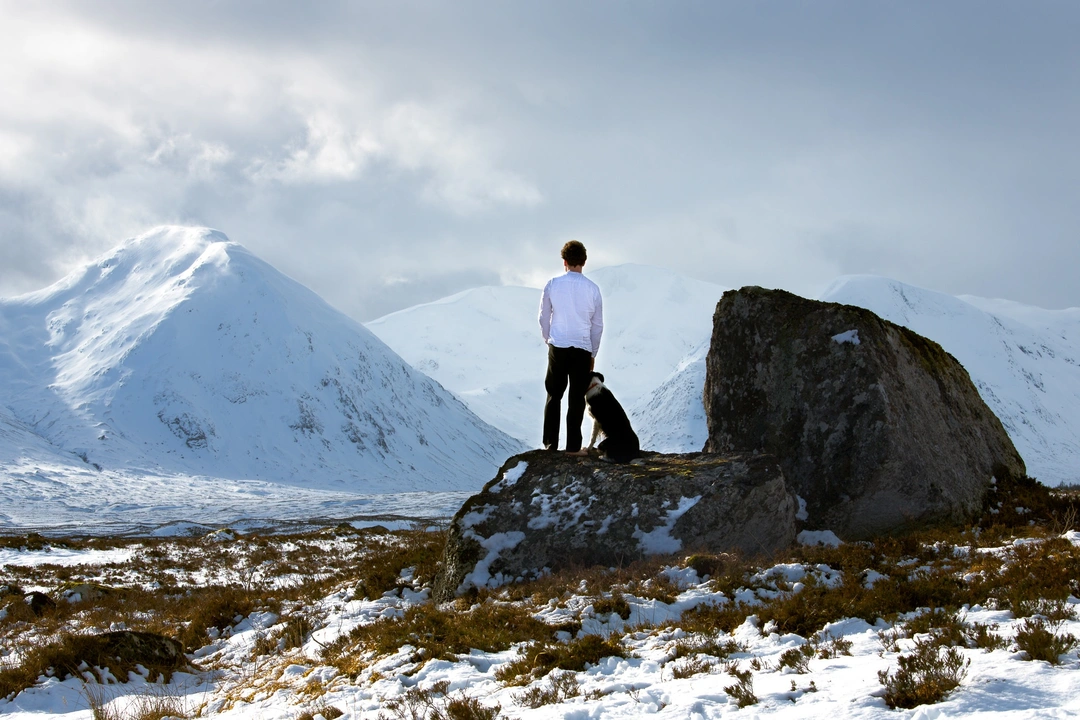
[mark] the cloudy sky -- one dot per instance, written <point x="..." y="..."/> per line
<point x="390" y="153"/>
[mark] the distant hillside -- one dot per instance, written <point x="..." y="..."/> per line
<point x="671" y="418"/>
<point x="485" y="345"/>
<point x="180" y="352"/>
<point x="1025" y="362"/>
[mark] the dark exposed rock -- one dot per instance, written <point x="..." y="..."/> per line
<point x="148" y="649"/>
<point x="548" y="511"/>
<point x="124" y="651"/>
<point x="876" y="427"/>
<point x="39" y="602"/>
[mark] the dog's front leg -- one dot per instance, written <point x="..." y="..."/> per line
<point x="596" y="430"/>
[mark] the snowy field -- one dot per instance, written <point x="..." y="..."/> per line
<point x="72" y="500"/>
<point x="657" y="678"/>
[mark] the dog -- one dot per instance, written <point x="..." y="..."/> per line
<point x="620" y="443"/>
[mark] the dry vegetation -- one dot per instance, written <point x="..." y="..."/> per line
<point x="194" y="590"/>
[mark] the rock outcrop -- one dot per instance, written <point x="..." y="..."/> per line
<point x="877" y="428"/>
<point x="546" y="511"/>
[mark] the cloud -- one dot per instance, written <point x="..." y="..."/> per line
<point x="461" y="175"/>
<point x="328" y="153"/>
<point x="454" y="166"/>
<point x="349" y="143"/>
<point x="108" y="131"/>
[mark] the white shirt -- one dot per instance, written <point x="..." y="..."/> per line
<point x="572" y="312"/>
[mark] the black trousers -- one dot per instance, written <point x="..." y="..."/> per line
<point x="566" y="365"/>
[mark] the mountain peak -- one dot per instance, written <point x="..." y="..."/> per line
<point x="180" y="350"/>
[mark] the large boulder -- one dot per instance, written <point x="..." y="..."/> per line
<point x="877" y="428"/>
<point x="546" y="511"/>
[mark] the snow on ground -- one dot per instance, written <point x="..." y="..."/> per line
<point x="999" y="684"/>
<point x="77" y="499"/>
<point x="62" y="556"/>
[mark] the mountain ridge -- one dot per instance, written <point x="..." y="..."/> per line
<point x="148" y="384"/>
<point x="1023" y="360"/>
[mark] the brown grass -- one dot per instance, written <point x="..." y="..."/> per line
<point x="71" y="654"/>
<point x="198" y="585"/>
<point x="540" y="658"/>
<point x="924" y="676"/>
<point x="438" y="633"/>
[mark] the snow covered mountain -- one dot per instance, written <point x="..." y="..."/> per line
<point x="181" y="353"/>
<point x="181" y="378"/>
<point x="485" y="345"/>
<point x="671" y="418"/>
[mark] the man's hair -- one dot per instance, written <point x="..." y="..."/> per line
<point x="573" y="253"/>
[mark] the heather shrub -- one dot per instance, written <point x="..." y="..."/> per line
<point x="827" y="647"/>
<point x="437" y="633"/>
<point x="707" y="644"/>
<point x="743" y="689"/>
<point x="713" y="566"/>
<point x="328" y="712"/>
<point x="983" y="636"/>
<point x="690" y="666"/>
<point x="1040" y="641"/>
<point x="67" y="655"/>
<point x="380" y="569"/>
<point x="924" y="676"/>
<point x="155" y="702"/>
<point x="797" y="658"/>
<point x="435" y="703"/>
<point x="721" y="618"/>
<point x="217" y="607"/>
<point x="945" y="628"/>
<point x="1035" y="573"/>
<point x="561" y="687"/>
<point x="616" y="603"/>
<point x="594" y="580"/>
<point x="538" y="659"/>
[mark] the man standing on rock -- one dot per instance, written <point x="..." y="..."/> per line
<point x="571" y="320"/>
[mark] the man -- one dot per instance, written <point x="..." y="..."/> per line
<point x="571" y="320"/>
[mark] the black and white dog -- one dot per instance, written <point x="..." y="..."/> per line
<point x="620" y="443"/>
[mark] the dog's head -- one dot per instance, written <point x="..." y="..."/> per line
<point x="596" y="384"/>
